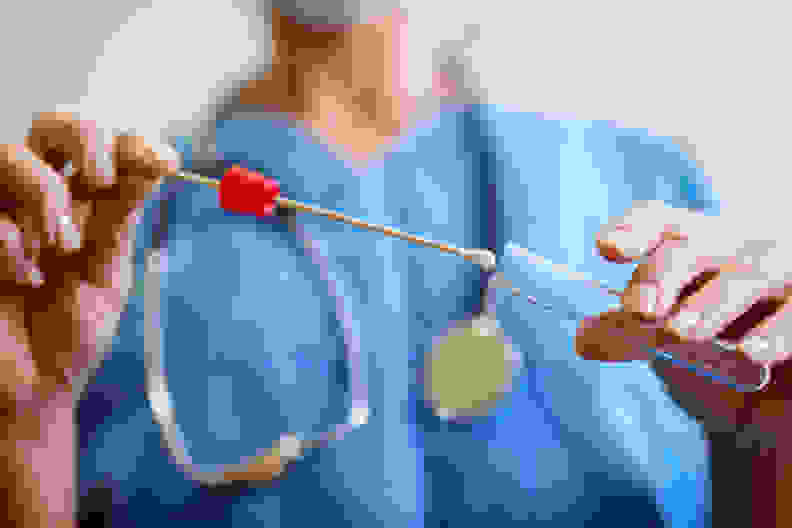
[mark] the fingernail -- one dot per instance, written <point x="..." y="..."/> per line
<point x="684" y="323"/>
<point x="628" y="242"/>
<point x="69" y="235"/>
<point x="648" y="299"/>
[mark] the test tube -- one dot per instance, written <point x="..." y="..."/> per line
<point x="562" y="291"/>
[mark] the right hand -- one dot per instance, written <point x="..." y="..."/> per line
<point x="734" y="275"/>
<point x="65" y="251"/>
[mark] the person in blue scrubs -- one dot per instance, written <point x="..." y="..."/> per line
<point x="576" y="443"/>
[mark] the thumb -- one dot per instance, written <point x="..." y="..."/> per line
<point x="615" y="335"/>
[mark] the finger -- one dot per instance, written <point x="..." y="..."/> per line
<point x="642" y="229"/>
<point x="678" y="266"/>
<point x="640" y="295"/>
<point x="39" y="191"/>
<point x="720" y="303"/>
<point x="614" y="336"/>
<point x="141" y="164"/>
<point x="60" y="137"/>
<point x="659" y="280"/>
<point x="110" y="228"/>
<point x="16" y="266"/>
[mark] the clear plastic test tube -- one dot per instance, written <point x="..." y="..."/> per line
<point x="563" y="291"/>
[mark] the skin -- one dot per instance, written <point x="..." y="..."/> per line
<point x="739" y="273"/>
<point x="342" y="83"/>
<point x="52" y="323"/>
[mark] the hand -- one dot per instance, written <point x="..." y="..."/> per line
<point x="65" y="251"/>
<point x="704" y="277"/>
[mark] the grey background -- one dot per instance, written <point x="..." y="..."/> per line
<point x="712" y="74"/>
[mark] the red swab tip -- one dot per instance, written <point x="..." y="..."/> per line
<point x="248" y="192"/>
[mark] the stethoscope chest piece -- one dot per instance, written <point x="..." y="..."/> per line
<point x="468" y="371"/>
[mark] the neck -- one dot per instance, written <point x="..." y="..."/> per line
<point x="342" y="84"/>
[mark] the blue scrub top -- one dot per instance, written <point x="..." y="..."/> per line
<point x="576" y="443"/>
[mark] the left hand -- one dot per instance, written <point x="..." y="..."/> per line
<point x="704" y="277"/>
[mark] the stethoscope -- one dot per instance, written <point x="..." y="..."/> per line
<point x="270" y="462"/>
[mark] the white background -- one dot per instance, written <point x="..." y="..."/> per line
<point x="713" y="73"/>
